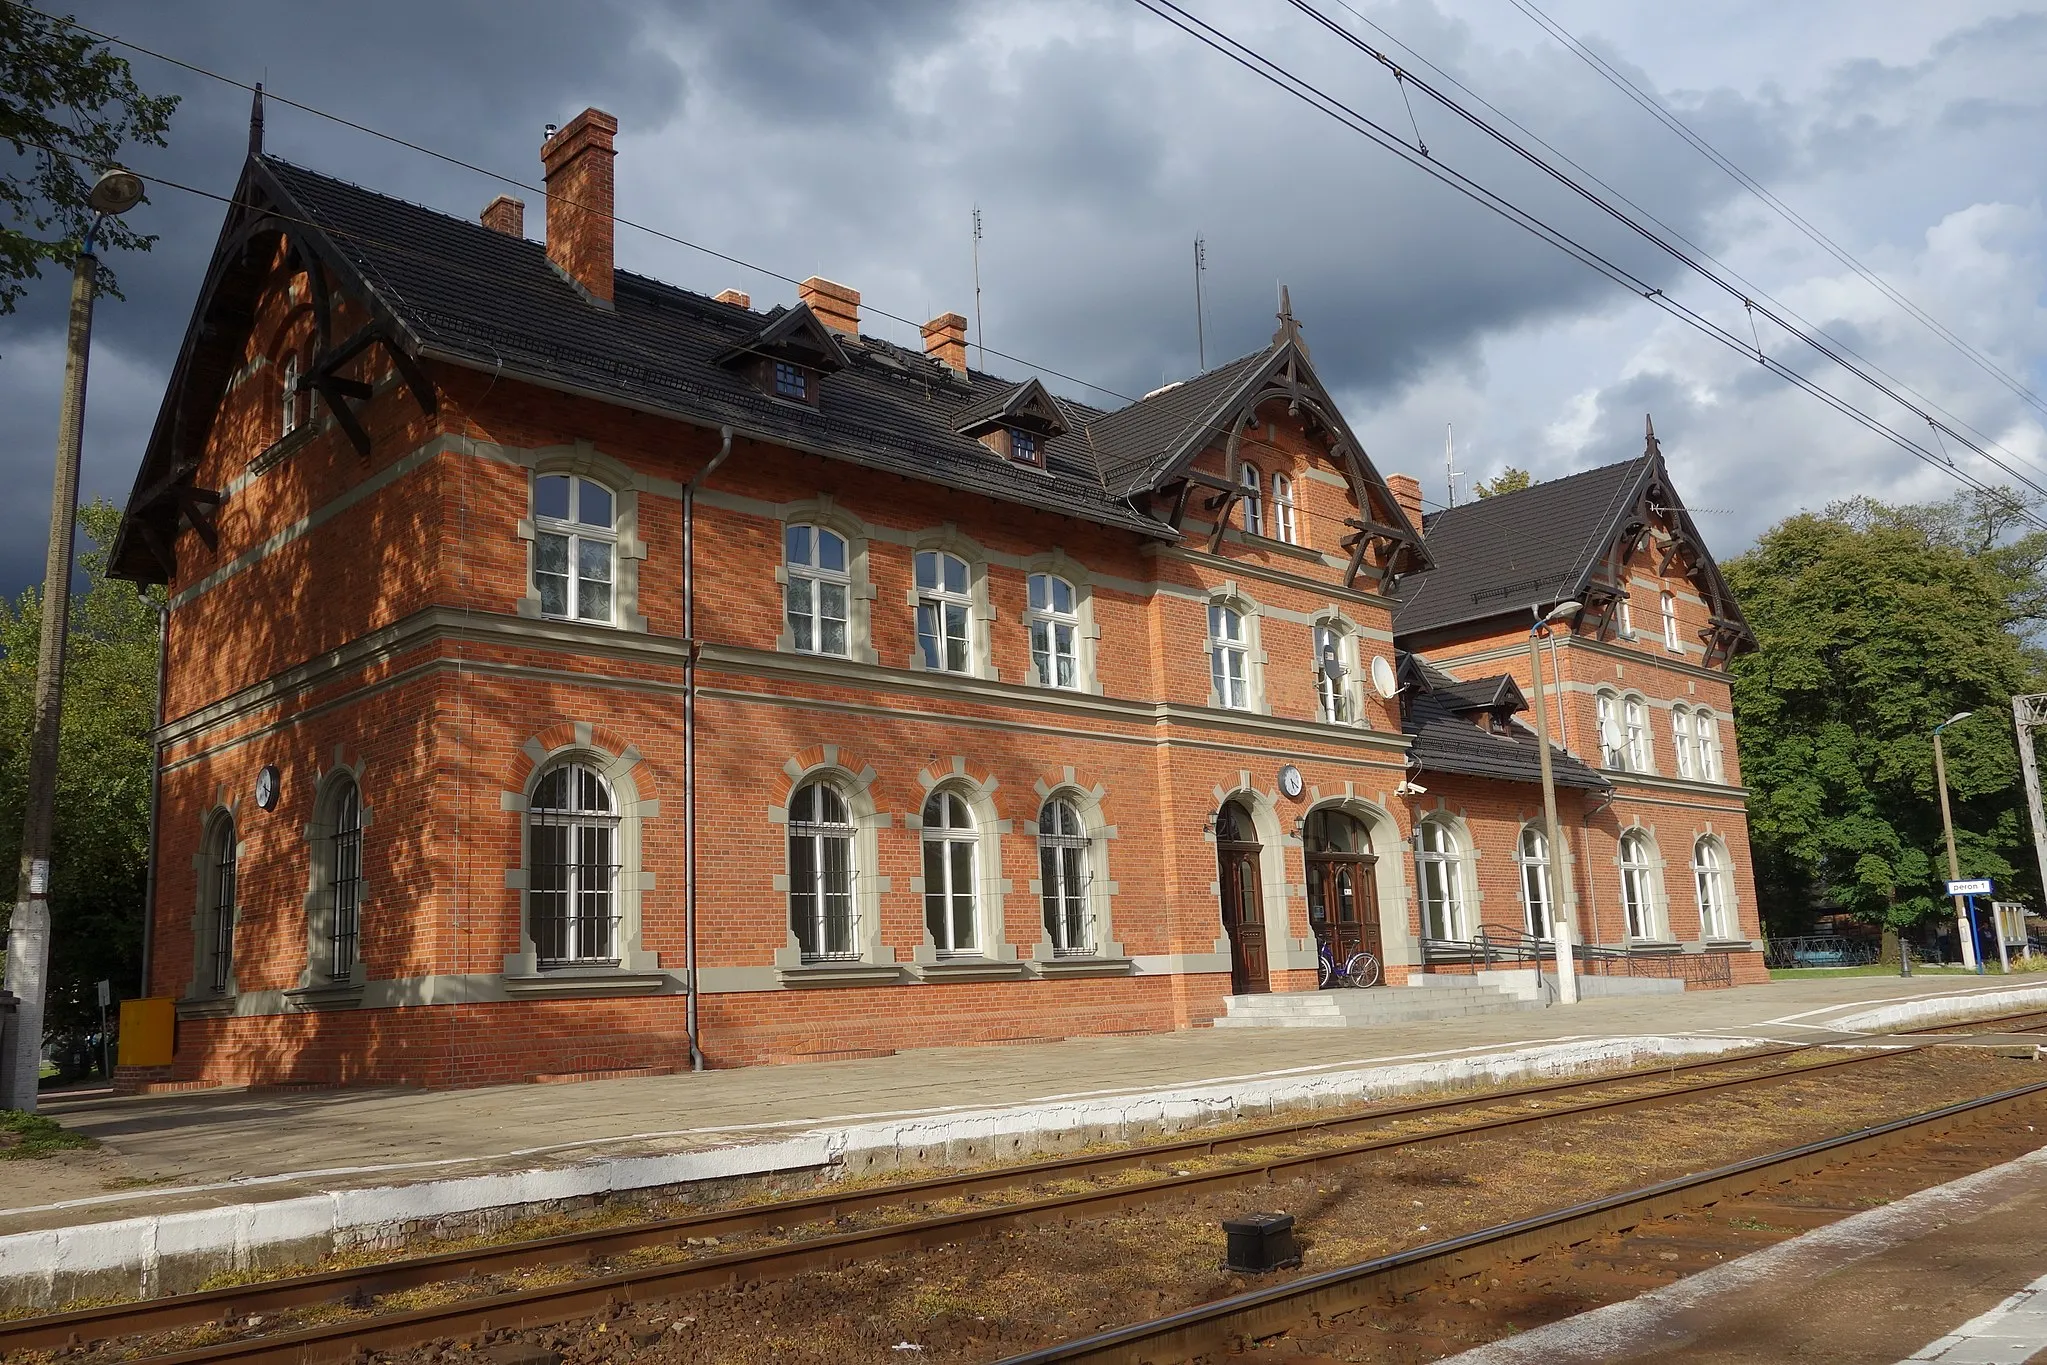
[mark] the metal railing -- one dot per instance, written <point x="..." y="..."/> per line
<point x="1497" y="945"/>
<point x="1822" y="950"/>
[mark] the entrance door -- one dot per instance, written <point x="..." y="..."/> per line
<point x="1243" y="912"/>
<point x="1343" y="903"/>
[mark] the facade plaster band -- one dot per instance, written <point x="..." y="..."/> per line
<point x="968" y="677"/>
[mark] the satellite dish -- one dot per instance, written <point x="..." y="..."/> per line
<point x="1610" y="735"/>
<point x="1332" y="662"/>
<point x="1383" y="681"/>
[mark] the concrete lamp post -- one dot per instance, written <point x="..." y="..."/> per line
<point x="1561" y="926"/>
<point x="1963" y="929"/>
<point x="28" y="939"/>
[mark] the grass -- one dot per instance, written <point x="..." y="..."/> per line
<point x="29" y="1137"/>
<point x="1872" y="969"/>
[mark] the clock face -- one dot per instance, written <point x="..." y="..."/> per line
<point x="266" y="787"/>
<point x="1290" y="780"/>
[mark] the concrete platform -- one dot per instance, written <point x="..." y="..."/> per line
<point x="252" y="1176"/>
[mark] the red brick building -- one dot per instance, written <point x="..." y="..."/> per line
<point x="563" y="666"/>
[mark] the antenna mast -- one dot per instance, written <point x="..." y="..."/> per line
<point x="1450" y="471"/>
<point x="979" y="339"/>
<point x="1200" y="330"/>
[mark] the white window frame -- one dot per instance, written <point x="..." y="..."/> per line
<point x="1711" y="884"/>
<point x="1531" y="859"/>
<point x="1635" y="729"/>
<point x="1253" y="481"/>
<point x="816" y="581"/>
<point x="1681" y="741"/>
<point x="818" y="834"/>
<point x="593" y="930"/>
<point x="1439" y="880"/>
<point x="1625" y="616"/>
<point x="1229" y="648"/>
<point x="1284" y="525"/>
<point x="1066" y="874"/>
<point x="1671" y="640"/>
<point x="952" y="898"/>
<point x="1044" y="621"/>
<point x="575" y="535"/>
<point x="1607" y="711"/>
<point x="289" y="416"/>
<point x="1638" y="885"/>
<point x="940" y="602"/>
<point x="1706" y="727"/>
<point x="1335" y="698"/>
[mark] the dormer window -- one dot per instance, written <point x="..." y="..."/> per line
<point x="792" y="381"/>
<point x="1023" y="447"/>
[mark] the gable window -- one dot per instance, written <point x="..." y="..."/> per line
<point x="1635" y="715"/>
<point x="1055" y="631"/>
<point x="1439" y="871"/>
<point x="1532" y="854"/>
<point x="1332" y="675"/>
<point x="821" y="874"/>
<point x="944" y="610"/>
<point x="1709" y="874"/>
<point x="792" y="381"/>
<point x="344" y="881"/>
<point x="220" y="945"/>
<point x="1681" y="739"/>
<point x="949" y="873"/>
<point x="1254" y="512"/>
<point x="1671" y="641"/>
<point x="1638" y="884"/>
<point x="1228" y="657"/>
<point x="1707" y="731"/>
<point x="575" y="547"/>
<point x="817" y="589"/>
<point x="1064" y="870"/>
<point x="1023" y="446"/>
<point x="290" y="412"/>
<point x="572" y="867"/>
<point x="1283" y="509"/>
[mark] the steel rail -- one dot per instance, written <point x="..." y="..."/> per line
<point x="554" y="1304"/>
<point x="1224" y="1324"/>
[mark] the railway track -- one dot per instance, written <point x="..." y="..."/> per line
<point x="1309" y="1304"/>
<point x="224" y="1308"/>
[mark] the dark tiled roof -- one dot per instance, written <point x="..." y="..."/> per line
<point x="1135" y="443"/>
<point x="484" y="299"/>
<point x="1447" y="740"/>
<point x="1510" y="552"/>
<point x="1499" y="693"/>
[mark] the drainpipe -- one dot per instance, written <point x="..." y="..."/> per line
<point x="689" y="735"/>
<point x="163" y="659"/>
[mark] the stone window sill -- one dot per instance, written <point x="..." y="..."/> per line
<point x="970" y="969"/>
<point x="1060" y="968"/>
<point x="206" y="1007"/>
<point x="813" y="974"/>
<point x="327" y="995"/>
<point x="581" y="983"/>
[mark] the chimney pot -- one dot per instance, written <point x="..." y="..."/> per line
<point x="737" y="297"/>
<point x="836" y="306"/>
<point x="1407" y="491"/>
<point x="945" y="340"/>
<point x="577" y="161"/>
<point x="505" y="214"/>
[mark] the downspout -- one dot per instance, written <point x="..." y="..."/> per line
<point x="163" y="659"/>
<point x="689" y="736"/>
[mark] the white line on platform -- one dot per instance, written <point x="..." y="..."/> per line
<point x="2009" y="1334"/>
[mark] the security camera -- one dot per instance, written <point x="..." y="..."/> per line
<point x="1410" y="789"/>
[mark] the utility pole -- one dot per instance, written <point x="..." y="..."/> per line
<point x="1561" y="919"/>
<point x="28" y="935"/>
<point x="1964" y="922"/>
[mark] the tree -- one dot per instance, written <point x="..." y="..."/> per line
<point x="1508" y="480"/>
<point x="67" y="106"/>
<point x="1875" y="623"/>
<point x="101" y="845"/>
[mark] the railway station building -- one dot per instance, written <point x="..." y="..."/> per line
<point x="569" y="673"/>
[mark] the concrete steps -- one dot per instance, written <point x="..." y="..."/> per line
<point x="1426" y="997"/>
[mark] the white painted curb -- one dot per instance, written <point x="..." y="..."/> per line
<point x="1962" y="1005"/>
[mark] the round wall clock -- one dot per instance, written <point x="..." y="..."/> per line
<point x="1290" y="784"/>
<point x="266" y="787"/>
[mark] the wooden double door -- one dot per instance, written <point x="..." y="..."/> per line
<point x="1343" y="906"/>
<point x="1243" y="899"/>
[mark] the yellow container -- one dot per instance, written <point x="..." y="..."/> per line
<point x="148" y="1031"/>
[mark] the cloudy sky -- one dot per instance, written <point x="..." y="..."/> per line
<point x="854" y="140"/>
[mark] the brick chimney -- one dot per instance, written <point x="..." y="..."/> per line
<point x="738" y="298"/>
<point x="1407" y="491"/>
<point x="505" y="214"/>
<point x="945" y="340"/>
<point x="836" y="306"/>
<point x="579" y="201"/>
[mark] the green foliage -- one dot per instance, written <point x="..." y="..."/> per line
<point x="26" y="1137"/>
<point x="67" y="106"/>
<point x="1876" y="623"/>
<point x="100" y="853"/>
<point x="1508" y="480"/>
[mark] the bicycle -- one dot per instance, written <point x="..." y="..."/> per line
<point x="1360" y="970"/>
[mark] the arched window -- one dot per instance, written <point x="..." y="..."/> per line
<point x="1613" y="741"/>
<point x="1283" y="509"/>
<point x="1055" y="631"/>
<point x="288" y="415"/>
<point x="949" y="902"/>
<point x="1635" y="716"/>
<point x="1537" y="904"/>
<point x="819" y="584"/>
<point x="1439" y="868"/>
<point x="1681" y="741"/>
<point x="344" y="879"/>
<point x="821" y="873"/>
<point x="1638" y="875"/>
<point x="1709" y="873"/>
<point x="220" y="922"/>
<point x="1065" y="869"/>
<point x="572" y="867"/>
<point x="1334" y="665"/>
<point x="1254" y="512"/>
<point x="1228" y="657"/>
<point x="575" y="547"/>
<point x="1671" y="641"/>
<point x="1707" y="731"/>
<point x="944" y="612"/>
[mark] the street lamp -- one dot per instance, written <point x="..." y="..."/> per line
<point x="28" y="941"/>
<point x="1965" y="930"/>
<point x="1560" y="920"/>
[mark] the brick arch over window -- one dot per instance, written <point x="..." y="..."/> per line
<point x="338" y="883"/>
<point x="636" y="799"/>
<point x="991" y="886"/>
<point x="585" y="461"/>
<point x="1089" y="800"/>
<point x="853" y="779"/>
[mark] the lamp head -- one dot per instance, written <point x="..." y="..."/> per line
<point x="117" y="190"/>
<point x="1563" y="609"/>
<point x="1959" y="715"/>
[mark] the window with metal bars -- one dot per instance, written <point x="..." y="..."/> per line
<point x="572" y="868"/>
<point x="821" y="875"/>
<point x="1065" y="873"/>
<point x="222" y="948"/>
<point x="344" y="881"/>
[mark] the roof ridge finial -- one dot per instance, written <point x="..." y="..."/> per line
<point x="1289" y="329"/>
<point x="256" y="122"/>
<point x="1649" y="442"/>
